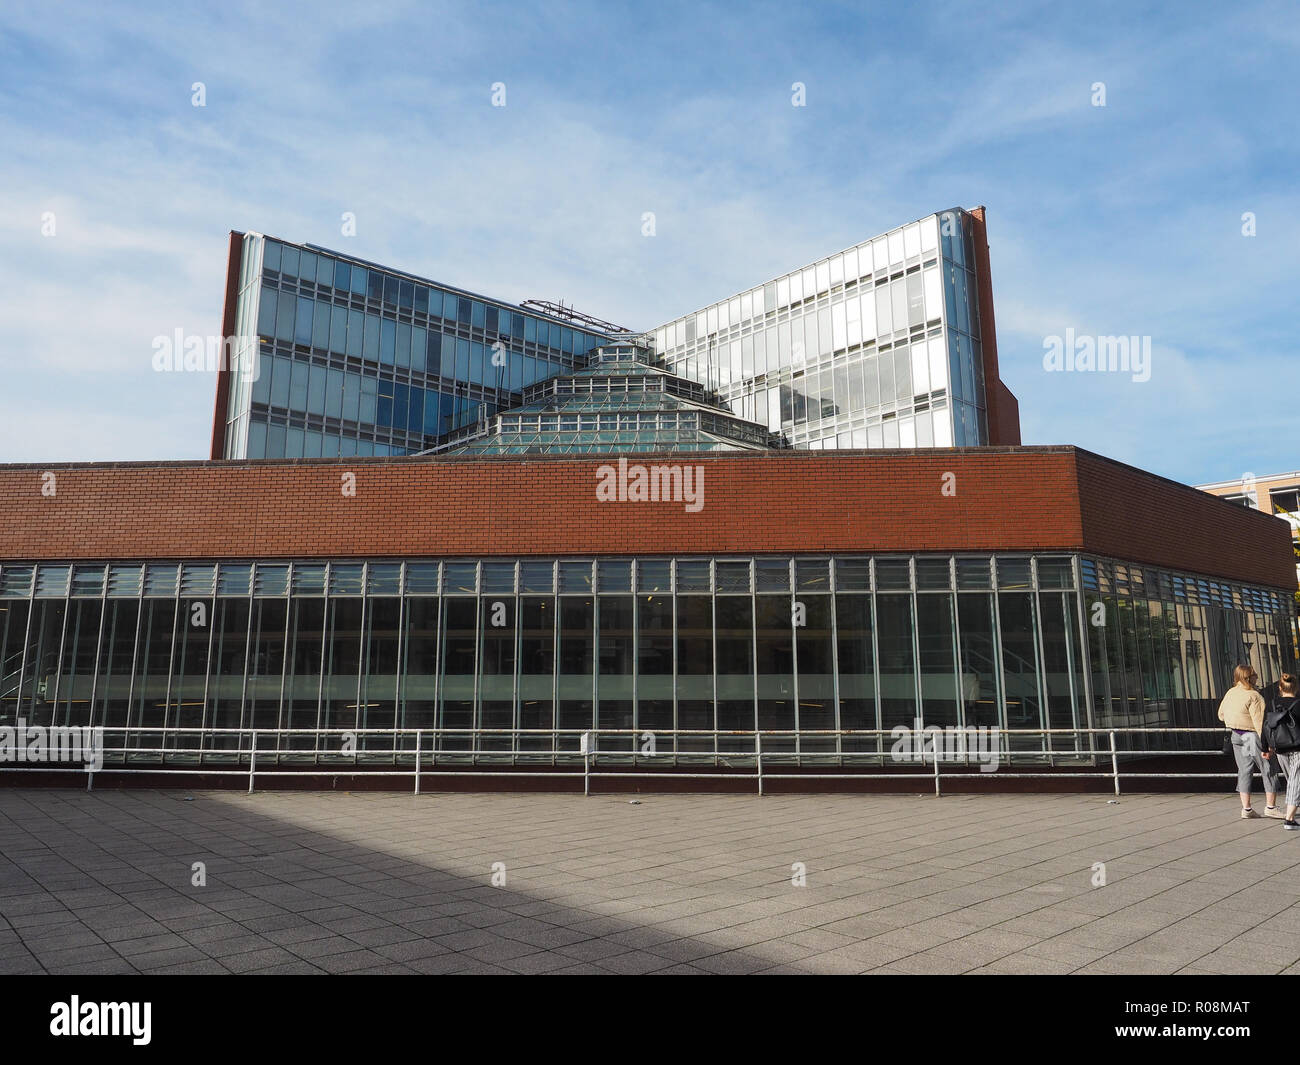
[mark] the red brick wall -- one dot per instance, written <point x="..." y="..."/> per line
<point x="800" y="501"/>
<point x="1136" y="515"/>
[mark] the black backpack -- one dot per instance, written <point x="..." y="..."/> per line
<point x="1282" y="723"/>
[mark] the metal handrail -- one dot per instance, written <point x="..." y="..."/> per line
<point x="590" y="753"/>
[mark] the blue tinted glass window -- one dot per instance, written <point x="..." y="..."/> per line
<point x="280" y="370"/>
<point x="298" y="387"/>
<point x="356" y="324"/>
<point x="289" y="262"/>
<point x="334" y="394"/>
<point x="478" y="315"/>
<point x="262" y="383"/>
<point x="464" y="311"/>
<point x="433" y="348"/>
<point x="302" y="328"/>
<point x="391" y="285"/>
<point x="284" y="312"/>
<point x="375" y="287"/>
<point x="358" y="281"/>
<point x="271" y="256"/>
<point x="419" y="342"/>
<point x="266" y="312"/>
<point x="385" y="404"/>
<point x="316" y="390"/>
<point x="342" y="276"/>
<point x="338" y="329"/>
<point x="401" y="401"/>
<point x="320" y="325"/>
<point x="415" y="414"/>
<point x="257" y="440"/>
<point x="324" y="270"/>
<point x="369" y="395"/>
<point x="421" y="300"/>
<point x="405" y="295"/>
<point x="351" y="396"/>
<point x="431" y="411"/>
<point x="371" y="346"/>
<point x="403" y="357"/>
<point x="387" y="335"/>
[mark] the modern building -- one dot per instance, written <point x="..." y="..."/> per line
<point x="890" y="343"/>
<point x="692" y="546"/>
<point x="334" y="356"/>
<point x="503" y="604"/>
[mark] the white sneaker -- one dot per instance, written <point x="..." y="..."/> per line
<point x="1248" y="813"/>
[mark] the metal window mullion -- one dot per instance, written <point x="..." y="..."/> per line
<point x="672" y="602"/>
<point x="207" y="666"/>
<point x="835" y="661"/>
<point x="794" y="650"/>
<point x="326" y="653"/>
<point x="248" y="655"/>
<point x="58" y="660"/>
<point x="1085" y="650"/>
<point x="875" y="657"/>
<point x="999" y="659"/>
<point x="171" y="659"/>
<point x="919" y="714"/>
<point x="1040" y="663"/>
<point x="555" y="659"/>
<point x="363" y="660"/>
<point x="713" y="615"/>
<point x="99" y="648"/>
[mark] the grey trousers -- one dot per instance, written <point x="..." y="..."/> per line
<point x="1291" y="767"/>
<point x="1245" y="749"/>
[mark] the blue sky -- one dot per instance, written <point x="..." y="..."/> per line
<point x="1116" y="220"/>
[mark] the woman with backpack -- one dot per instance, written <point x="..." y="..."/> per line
<point x="1281" y="734"/>
<point x="1242" y="710"/>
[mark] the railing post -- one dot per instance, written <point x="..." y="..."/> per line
<point x="937" y="793"/>
<point x="586" y="763"/>
<point x="252" y="763"/>
<point x="758" y="758"/>
<point x="1114" y="761"/>
<point x="417" y="761"/>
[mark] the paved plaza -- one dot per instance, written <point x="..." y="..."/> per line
<point x="374" y="882"/>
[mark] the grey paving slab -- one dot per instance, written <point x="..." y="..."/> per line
<point x="336" y="882"/>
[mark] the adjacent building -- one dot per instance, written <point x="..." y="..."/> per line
<point x="890" y="343"/>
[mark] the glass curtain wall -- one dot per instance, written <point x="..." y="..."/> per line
<point x="520" y="657"/>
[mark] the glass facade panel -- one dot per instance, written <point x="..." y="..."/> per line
<point x="810" y="650"/>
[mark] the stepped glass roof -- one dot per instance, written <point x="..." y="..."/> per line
<point x="622" y="400"/>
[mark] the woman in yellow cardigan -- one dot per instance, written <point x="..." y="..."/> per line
<point x="1242" y="710"/>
